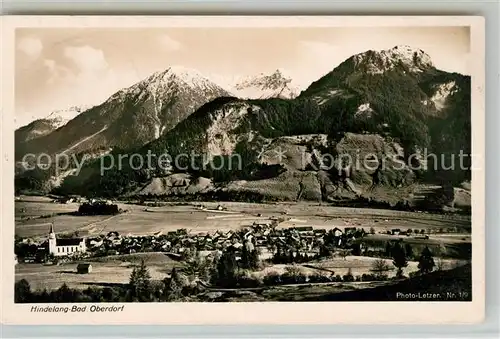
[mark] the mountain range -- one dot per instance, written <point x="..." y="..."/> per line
<point x="265" y="86"/>
<point x="392" y="103"/>
<point x="131" y="117"/>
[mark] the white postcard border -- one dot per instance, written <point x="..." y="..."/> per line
<point x="249" y="313"/>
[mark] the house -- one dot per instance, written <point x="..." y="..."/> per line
<point x="96" y="242"/>
<point x="337" y="232"/>
<point x="84" y="268"/>
<point x="65" y="247"/>
<point x="395" y="231"/>
<point x="116" y="242"/>
<point x="113" y="235"/>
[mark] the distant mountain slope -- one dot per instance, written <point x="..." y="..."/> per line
<point x="275" y="85"/>
<point x="131" y="117"/>
<point x="40" y="127"/>
<point x="35" y="129"/>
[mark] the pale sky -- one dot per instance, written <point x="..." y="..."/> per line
<point x="58" y="68"/>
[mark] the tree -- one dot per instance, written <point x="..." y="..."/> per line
<point x="140" y="283"/>
<point x="426" y="261"/>
<point x="249" y="256"/>
<point x="22" y="291"/>
<point x="254" y="259"/>
<point x="388" y="249"/>
<point x="44" y="296"/>
<point x="173" y="286"/>
<point x="292" y="273"/>
<point x="110" y="294"/>
<point x="196" y="266"/>
<point x="324" y="251"/>
<point x="409" y="250"/>
<point x="98" y="295"/>
<point x="372" y="230"/>
<point x="349" y="276"/>
<point x="380" y="268"/>
<point x="399" y="259"/>
<point x="64" y="294"/>
<point x="225" y="274"/>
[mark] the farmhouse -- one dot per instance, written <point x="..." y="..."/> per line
<point x="65" y="247"/>
<point x="84" y="268"/>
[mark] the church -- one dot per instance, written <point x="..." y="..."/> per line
<point x="66" y="246"/>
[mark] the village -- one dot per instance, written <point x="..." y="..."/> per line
<point x="226" y="247"/>
<point x="301" y="243"/>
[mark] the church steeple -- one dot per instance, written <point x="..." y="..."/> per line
<point x="52" y="234"/>
<point x="52" y="240"/>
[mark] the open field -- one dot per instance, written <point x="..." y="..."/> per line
<point x="105" y="271"/>
<point x="34" y="215"/>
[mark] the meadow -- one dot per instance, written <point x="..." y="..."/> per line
<point x="34" y="215"/>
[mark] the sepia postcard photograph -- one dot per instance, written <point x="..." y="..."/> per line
<point x="243" y="169"/>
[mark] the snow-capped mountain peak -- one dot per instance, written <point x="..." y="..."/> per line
<point x="177" y="73"/>
<point x="40" y="127"/>
<point x="59" y="118"/>
<point x="172" y="79"/>
<point x="275" y="85"/>
<point x="415" y="60"/>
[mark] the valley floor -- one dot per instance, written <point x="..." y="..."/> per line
<point x="34" y="215"/>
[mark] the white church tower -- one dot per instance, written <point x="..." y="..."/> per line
<point x="65" y="246"/>
<point x="52" y="240"/>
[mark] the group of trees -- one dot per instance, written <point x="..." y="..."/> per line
<point x="24" y="294"/>
<point x="400" y="254"/>
<point x="98" y="208"/>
